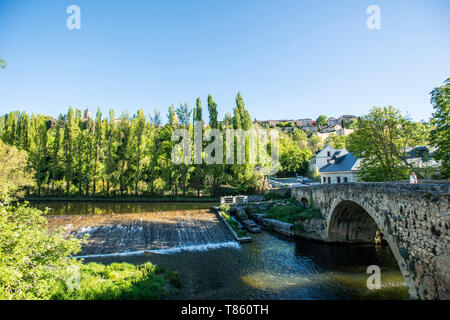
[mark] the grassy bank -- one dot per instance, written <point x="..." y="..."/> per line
<point x="292" y="213"/>
<point x="233" y="224"/>
<point x="121" y="281"/>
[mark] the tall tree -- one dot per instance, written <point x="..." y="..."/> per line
<point x="98" y="139"/>
<point x="139" y="141"/>
<point x="184" y="115"/>
<point x="440" y="135"/>
<point x="39" y="152"/>
<point x="198" y="110"/>
<point x="322" y="120"/>
<point x="110" y="161"/>
<point x="381" y="139"/>
<point x="68" y="143"/>
<point x="212" y="109"/>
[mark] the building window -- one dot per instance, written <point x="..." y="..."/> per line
<point x="345" y="179"/>
<point x="328" y="154"/>
<point x="329" y="180"/>
<point x="338" y="179"/>
<point x="324" y="180"/>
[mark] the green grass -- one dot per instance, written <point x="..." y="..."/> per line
<point x="234" y="225"/>
<point x="292" y="213"/>
<point x="122" y="281"/>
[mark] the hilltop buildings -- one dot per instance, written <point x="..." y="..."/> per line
<point x="334" y="125"/>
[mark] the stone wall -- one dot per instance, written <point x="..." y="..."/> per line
<point x="414" y="219"/>
<point x="315" y="229"/>
<point x="278" y="226"/>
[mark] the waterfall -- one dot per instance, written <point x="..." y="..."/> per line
<point x="159" y="233"/>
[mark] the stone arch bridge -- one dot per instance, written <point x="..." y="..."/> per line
<point x="414" y="220"/>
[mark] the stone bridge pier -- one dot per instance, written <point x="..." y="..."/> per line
<point x="414" y="220"/>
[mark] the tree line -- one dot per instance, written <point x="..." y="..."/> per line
<point x="131" y="155"/>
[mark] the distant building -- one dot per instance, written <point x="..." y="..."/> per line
<point x="421" y="157"/>
<point x="343" y="167"/>
<point x="86" y="115"/>
<point x="332" y="121"/>
<point x="340" y="132"/>
<point x="303" y="122"/>
<point x="332" y="128"/>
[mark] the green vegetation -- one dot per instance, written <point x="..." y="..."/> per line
<point x="77" y="154"/>
<point x="381" y="138"/>
<point x="292" y="213"/>
<point x="34" y="264"/>
<point x="440" y="135"/>
<point x="2" y="64"/>
<point x="322" y="120"/>
<point x="122" y="281"/>
<point x="223" y="211"/>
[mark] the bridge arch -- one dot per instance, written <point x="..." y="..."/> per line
<point x="350" y="221"/>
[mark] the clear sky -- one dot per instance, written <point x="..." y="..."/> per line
<point x="290" y="59"/>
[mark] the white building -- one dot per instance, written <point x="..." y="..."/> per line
<point x="322" y="158"/>
<point x="343" y="167"/>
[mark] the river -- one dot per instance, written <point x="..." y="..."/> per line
<point x="272" y="266"/>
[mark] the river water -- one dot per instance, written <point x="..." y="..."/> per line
<point x="273" y="266"/>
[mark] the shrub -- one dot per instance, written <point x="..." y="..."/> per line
<point x="33" y="262"/>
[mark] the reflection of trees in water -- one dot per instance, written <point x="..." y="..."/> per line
<point x="92" y="207"/>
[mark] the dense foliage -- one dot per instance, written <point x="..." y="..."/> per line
<point x="14" y="174"/>
<point x="33" y="263"/>
<point x="381" y="138"/>
<point x="440" y="135"/>
<point x="131" y="155"/>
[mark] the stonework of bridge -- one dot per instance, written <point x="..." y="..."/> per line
<point x="414" y="220"/>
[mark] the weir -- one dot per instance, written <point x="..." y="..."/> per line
<point x="152" y="232"/>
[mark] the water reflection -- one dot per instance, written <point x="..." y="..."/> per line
<point x="92" y="207"/>
<point x="277" y="267"/>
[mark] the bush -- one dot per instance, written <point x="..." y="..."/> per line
<point x="33" y="263"/>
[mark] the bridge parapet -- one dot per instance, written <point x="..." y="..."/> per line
<point x="441" y="188"/>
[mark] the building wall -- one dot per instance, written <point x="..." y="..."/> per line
<point x="351" y="176"/>
<point x="320" y="160"/>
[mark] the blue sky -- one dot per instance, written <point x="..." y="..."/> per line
<point x="289" y="59"/>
